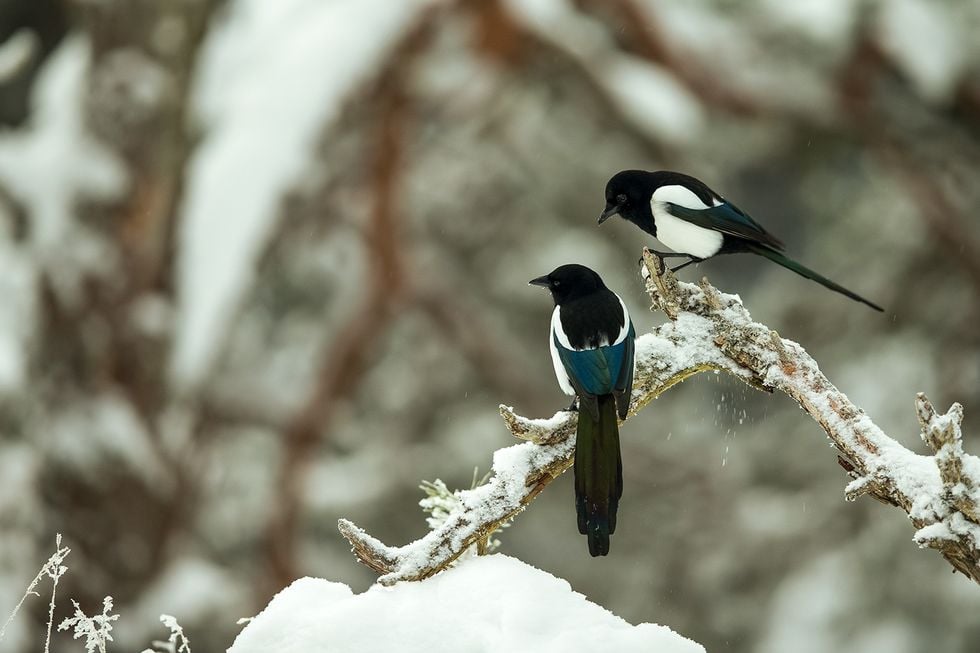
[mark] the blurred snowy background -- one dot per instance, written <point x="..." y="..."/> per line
<point x="263" y="264"/>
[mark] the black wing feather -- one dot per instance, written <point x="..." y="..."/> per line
<point x="728" y="219"/>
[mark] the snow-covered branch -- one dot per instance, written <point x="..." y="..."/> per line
<point x="710" y="330"/>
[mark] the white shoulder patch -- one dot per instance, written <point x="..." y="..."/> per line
<point x="558" y="330"/>
<point x="680" y="235"/>
<point x="563" y="381"/>
<point x="624" y="331"/>
<point x="680" y="196"/>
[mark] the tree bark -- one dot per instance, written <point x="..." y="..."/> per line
<point x="709" y="330"/>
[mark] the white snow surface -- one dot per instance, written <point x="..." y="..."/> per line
<point x="264" y="109"/>
<point x="489" y="603"/>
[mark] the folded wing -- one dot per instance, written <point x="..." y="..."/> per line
<point x="728" y="219"/>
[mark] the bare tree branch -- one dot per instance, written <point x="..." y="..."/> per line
<point x="709" y="330"/>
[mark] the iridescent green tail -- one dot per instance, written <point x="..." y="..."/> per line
<point x="598" y="474"/>
<point x="803" y="271"/>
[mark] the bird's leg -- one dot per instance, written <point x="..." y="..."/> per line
<point x="686" y="263"/>
<point x="663" y="255"/>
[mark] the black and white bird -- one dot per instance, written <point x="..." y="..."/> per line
<point x="592" y="349"/>
<point x="694" y="221"/>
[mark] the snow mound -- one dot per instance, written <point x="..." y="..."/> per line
<point x="488" y="603"/>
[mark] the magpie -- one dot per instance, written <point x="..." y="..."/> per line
<point x="694" y="221"/>
<point x="592" y="351"/>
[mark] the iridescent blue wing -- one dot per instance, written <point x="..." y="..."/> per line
<point x="726" y="218"/>
<point x="588" y="370"/>
<point x="600" y="371"/>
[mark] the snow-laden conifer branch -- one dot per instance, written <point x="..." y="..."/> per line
<point x="710" y="330"/>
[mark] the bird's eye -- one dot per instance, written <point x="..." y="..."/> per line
<point x="556" y="283"/>
<point x="621" y="198"/>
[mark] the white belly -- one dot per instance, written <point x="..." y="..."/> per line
<point x="682" y="236"/>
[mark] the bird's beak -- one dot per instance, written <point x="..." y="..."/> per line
<point x="540" y="281"/>
<point x="610" y="211"/>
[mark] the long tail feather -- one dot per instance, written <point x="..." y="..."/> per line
<point x="803" y="271"/>
<point x="598" y="474"/>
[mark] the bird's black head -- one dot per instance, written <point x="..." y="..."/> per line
<point x="628" y="193"/>
<point x="570" y="282"/>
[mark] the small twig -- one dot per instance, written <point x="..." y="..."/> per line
<point x="177" y="642"/>
<point x="53" y="569"/>
<point x="944" y="436"/>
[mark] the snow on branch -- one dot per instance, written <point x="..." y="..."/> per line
<point x="710" y="330"/>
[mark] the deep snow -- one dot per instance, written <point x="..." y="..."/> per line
<point x="488" y="603"/>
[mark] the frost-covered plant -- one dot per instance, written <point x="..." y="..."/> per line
<point x="96" y="629"/>
<point x="440" y="501"/>
<point x="53" y="569"/>
<point x="176" y="643"/>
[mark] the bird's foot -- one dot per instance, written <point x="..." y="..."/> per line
<point x="663" y="256"/>
<point x="573" y="407"/>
